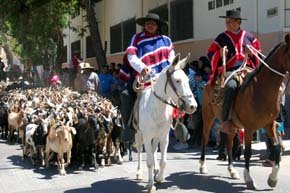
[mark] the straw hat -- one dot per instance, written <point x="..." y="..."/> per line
<point x="65" y="65"/>
<point x="86" y="65"/>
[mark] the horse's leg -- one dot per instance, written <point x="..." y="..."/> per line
<point x="82" y="151"/>
<point x="150" y="164"/>
<point x="163" y="149"/>
<point x="155" y="143"/>
<point x="139" y="147"/>
<point x="207" y="123"/>
<point x="233" y="172"/>
<point x="247" y="154"/>
<point x="94" y="156"/>
<point x="276" y="150"/>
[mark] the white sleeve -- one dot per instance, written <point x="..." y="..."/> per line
<point x="136" y="63"/>
<point x="171" y="56"/>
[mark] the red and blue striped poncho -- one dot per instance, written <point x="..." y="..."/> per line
<point x="151" y="50"/>
<point x="236" y="43"/>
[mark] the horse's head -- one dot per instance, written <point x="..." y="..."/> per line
<point x="177" y="85"/>
<point x="281" y="56"/>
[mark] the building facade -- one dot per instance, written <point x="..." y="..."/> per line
<point x="193" y="24"/>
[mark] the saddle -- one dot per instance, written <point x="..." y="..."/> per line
<point x="239" y="76"/>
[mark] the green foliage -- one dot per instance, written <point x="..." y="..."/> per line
<point x="36" y="27"/>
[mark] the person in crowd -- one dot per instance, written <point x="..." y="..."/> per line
<point x="106" y="82"/>
<point x="54" y="78"/>
<point x="2" y="72"/>
<point x="199" y="86"/>
<point x="206" y="72"/>
<point x="75" y="62"/>
<point x="236" y="40"/>
<point x="45" y="75"/>
<point x="117" y="87"/>
<point x="112" y="67"/>
<point x="65" y="74"/>
<point x="89" y="78"/>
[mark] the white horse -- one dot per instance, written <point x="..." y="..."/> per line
<point x="155" y="116"/>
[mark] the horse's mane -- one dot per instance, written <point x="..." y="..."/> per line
<point x="254" y="73"/>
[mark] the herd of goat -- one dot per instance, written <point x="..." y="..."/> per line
<point x="82" y="127"/>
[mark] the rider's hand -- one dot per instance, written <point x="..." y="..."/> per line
<point x="248" y="51"/>
<point x="145" y="71"/>
<point x="221" y="51"/>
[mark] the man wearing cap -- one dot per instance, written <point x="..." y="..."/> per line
<point x="236" y="40"/>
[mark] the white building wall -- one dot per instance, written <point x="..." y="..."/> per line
<point x="207" y="24"/>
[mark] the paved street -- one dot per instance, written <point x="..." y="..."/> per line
<point x="181" y="175"/>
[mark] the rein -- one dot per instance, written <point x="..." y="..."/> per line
<point x="255" y="51"/>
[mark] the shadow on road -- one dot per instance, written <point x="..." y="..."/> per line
<point x="110" y="186"/>
<point x="204" y="183"/>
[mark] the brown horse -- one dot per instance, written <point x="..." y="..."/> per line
<point x="255" y="106"/>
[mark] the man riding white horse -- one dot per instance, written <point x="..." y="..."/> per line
<point x="148" y="52"/>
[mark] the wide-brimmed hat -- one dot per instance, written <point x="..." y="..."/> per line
<point x="86" y="65"/>
<point x="151" y="17"/>
<point x="65" y="65"/>
<point x="235" y="14"/>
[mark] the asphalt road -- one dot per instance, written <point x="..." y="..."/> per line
<point x="181" y="175"/>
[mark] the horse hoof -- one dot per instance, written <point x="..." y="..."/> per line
<point x="235" y="176"/>
<point x="152" y="189"/>
<point x="158" y="179"/>
<point x="251" y="185"/>
<point x="203" y="170"/>
<point x="139" y="177"/>
<point x="272" y="183"/>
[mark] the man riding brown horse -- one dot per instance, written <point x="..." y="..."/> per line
<point x="232" y="44"/>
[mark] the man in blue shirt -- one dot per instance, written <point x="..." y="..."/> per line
<point x="106" y="82"/>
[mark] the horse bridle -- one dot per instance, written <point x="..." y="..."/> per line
<point x="170" y="81"/>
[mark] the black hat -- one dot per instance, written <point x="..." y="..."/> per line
<point x="149" y="17"/>
<point x="233" y="14"/>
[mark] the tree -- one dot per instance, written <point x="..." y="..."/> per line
<point x="36" y="27"/>
<point x="95" y="33"/>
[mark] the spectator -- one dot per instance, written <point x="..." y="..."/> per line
<point x="64" y="74"/>
<point x="106" y="82"/>
<point x="54" y="78"/>
<point x="90" y="78"/>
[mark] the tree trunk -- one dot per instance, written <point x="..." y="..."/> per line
<point x="95" y="34"/>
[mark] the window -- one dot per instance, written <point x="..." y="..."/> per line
<point x="129" y="29"/>
<point x="181" y="23"/>
<point x="90" y="52"/>
<point x="162" y="11"/>
<point x="116" y="38"/>
<point x="121" y="35"/>
<point x="227" y="2"/>
<point x="64" y="54"/>
<point x="219" y="3"/>
<point x="211" y="5"/>
<point x="272" y="12"/>
<point x="76" y="47"/>
<point x="287" y="17"/>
